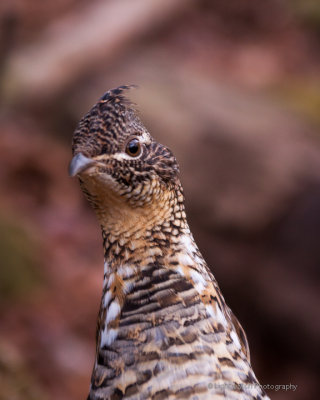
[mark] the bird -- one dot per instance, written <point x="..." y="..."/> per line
<point x="164" y="329"/>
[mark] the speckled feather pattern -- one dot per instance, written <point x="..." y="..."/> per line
<point x="164" y="329"/>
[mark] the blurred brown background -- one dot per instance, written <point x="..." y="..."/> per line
<point x="232" y="87"/>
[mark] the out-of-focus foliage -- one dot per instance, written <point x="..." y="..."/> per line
<point x="15" y="380"/>
<point x="303" y="97"/>
<point x="20" y="272"/>
<point x="308" y="11"/>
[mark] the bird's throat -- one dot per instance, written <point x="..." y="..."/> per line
<point x="135" y="235"/>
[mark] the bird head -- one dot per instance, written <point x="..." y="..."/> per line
<point x="120" y="166"/>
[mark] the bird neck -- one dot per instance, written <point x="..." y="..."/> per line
<point x="147" y="264"/>
<point x="151" y="244"/>
<point x="133" y="235"/>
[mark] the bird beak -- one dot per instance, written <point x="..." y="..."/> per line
<point x="79" y="163"/>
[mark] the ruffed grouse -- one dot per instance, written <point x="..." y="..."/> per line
<point x="164" y="329"/>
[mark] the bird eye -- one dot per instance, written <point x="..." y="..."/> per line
<point x="133" y="148"/>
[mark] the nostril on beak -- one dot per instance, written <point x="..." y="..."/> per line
<point x="79" y="163"/>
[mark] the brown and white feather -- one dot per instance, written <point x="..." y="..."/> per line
<point x="164" y="329"/>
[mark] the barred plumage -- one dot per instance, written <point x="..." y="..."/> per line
<point x="164" y="329"/>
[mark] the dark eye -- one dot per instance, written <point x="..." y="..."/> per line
<point x="133" y="148"/>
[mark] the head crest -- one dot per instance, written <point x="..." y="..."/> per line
<point x="117" y="94"/>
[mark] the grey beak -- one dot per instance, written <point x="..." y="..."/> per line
<point x="79" y="163"/>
